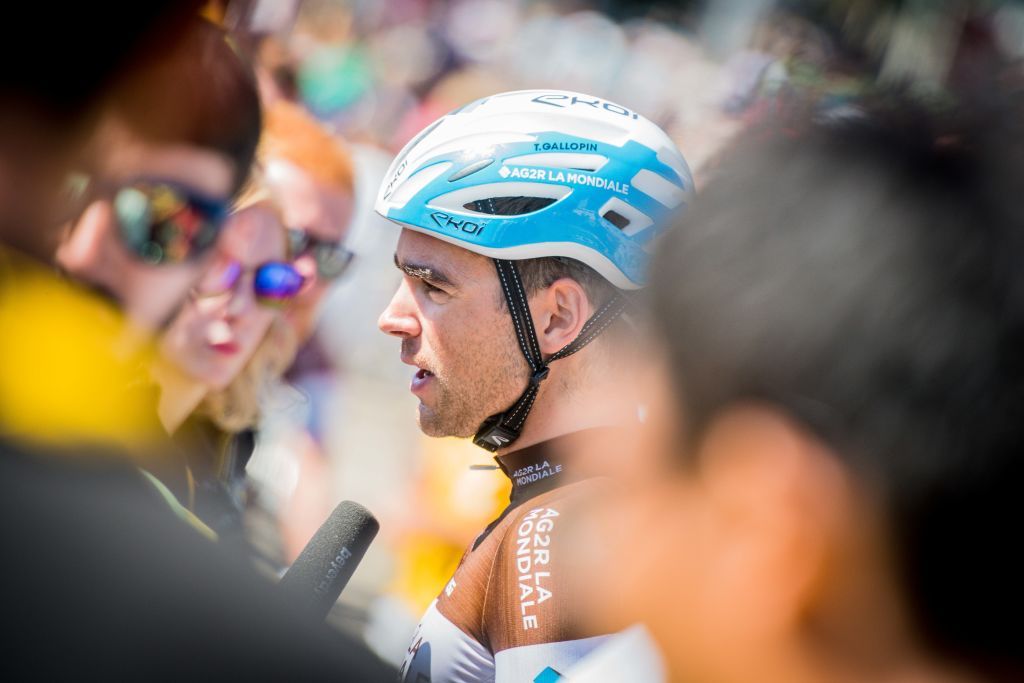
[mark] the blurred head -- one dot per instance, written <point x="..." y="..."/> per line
<point x="48" y="107"/>
<point x="309" y="172"/>
<point x="842" y="317"/>
<point x="217" y="331"/>
<point x="174" y="144"/>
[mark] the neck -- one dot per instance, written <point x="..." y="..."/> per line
<point x="572" y="399"/>
<point x="180" y="395"/>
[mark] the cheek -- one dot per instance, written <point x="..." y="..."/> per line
<point x="470" y="345"/>
<point x="311" y="295"/>
<point x="253" y="327"/>
<point x="184" y="332"/>
<point x="185" y="342"/>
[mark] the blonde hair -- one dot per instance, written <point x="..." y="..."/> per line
<point x="237" y="406"/>
<point x="292" y="135"/>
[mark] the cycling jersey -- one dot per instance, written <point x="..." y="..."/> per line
<point x="509" y="612"/>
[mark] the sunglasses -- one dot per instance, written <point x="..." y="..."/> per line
<point x="160" y="222"/>
<point x="274" y="283"/>
<point x="332" y="259"/>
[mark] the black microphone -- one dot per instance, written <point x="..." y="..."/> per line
<point x="325" y="565"/>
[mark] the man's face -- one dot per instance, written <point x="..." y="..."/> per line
<point x="455" y="333"/>
<point x="93" y="250"/>
<point x="323" y="213"/>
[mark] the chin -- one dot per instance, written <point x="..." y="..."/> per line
<point x="434" y="425"/>
<point x="219" y="381"/>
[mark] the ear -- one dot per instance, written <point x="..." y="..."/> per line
<point x="559" y="312"/>
<point x="779" y="502"/>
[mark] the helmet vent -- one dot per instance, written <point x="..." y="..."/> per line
<point x="630" y="220"/>
<point x="509" y="206"/>
<point x="470" y="170"/>
<point x="616" y="219"/>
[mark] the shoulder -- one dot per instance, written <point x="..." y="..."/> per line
<point x="533" y="596"/>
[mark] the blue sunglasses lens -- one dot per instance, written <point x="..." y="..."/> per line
<point x="277" y="281"/>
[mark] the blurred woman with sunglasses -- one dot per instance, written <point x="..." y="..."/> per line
<point x="226" y="345"/>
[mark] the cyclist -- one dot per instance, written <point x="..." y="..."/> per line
<point x="527" y="218"/>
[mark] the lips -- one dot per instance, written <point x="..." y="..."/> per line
<point x="221" y="339"/>
<point x="421" y="380"/>
<point x="227" y="348"/>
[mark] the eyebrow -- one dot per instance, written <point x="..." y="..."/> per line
<point x="426" y="273"/>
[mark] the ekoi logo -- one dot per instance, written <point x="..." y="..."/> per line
<point x="448" y="222"/>
<point x="562" y="101"/>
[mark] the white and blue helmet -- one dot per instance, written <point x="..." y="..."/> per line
<point x="611" y="177"/>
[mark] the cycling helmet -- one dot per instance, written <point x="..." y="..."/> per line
<point x="607" y="176"/>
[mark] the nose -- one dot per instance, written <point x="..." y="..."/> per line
<point x="242" y="298"/>
<point x="84" y="252"/>
<point x="399" y="318"/>
<point x="306" y="265"/>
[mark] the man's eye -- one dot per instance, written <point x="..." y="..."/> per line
<point x="436" y="294"/>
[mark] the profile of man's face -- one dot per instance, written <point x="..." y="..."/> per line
<point x="455" y="334"/>
<point x="92" y="249"/>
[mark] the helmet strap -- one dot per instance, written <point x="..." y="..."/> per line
<point x="502" y="429"/>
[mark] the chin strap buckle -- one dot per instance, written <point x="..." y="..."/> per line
<point x="494" y="434"/>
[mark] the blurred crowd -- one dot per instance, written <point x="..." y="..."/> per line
<point x="192" y="374"/>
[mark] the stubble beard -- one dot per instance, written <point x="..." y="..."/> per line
<point x="462" y="405"/>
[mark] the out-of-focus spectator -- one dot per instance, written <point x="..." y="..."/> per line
<point x="174" y="144"/>
<point x="143" y="595"/>
<point x="836" y="459"/>
<point x="309" y="173"/>
<point x="222" y="352"/>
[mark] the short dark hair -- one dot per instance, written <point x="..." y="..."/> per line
<point x="868" y="279"/>
<point x="540" y="273"/>
<point x="199" y="92"/>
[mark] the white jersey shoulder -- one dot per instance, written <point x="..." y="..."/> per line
<point x="543" y="662"/>
<point x="442" y="653"/>
<point x="628" y="656"/>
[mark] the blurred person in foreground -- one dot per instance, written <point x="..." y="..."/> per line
<point x="525" y="217"/>
<point x="842" y="317"/>
<point x="151" y="194"/>
<point x="172" y="148"/>
<point x="102" y="577"/>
